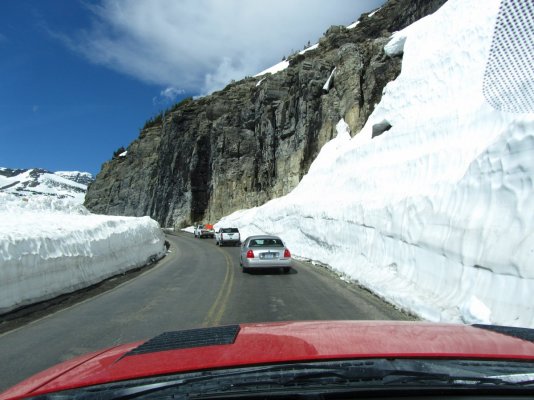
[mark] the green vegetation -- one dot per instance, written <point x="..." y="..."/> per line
<point x="158" y="119"/>
<point x="155" y="120"/>
<point x="185" y="101"/>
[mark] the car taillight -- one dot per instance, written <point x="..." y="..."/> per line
<point x="250" y="254"/>
<point x="287" y="253"/>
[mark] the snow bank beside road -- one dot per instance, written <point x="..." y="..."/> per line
<point x="50" y="247"/>
<point x="436" y="214"/>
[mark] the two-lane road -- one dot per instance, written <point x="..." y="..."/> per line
<point x="197" y="284"/>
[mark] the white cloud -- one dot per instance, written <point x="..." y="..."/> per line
<point x="171" y="93"/>
<point x="201" y="45"/>
<point x="167" y="96"/>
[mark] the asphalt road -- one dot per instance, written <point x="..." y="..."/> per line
<point x="197" y="284"/>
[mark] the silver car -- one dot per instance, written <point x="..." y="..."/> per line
<point x="264" y="251"/>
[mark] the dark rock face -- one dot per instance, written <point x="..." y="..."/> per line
<point x="255" y="140"/>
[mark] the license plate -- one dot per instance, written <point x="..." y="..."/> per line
<point x="268" y="256"/>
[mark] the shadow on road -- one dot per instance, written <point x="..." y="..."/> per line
<point x="270" y="271"/>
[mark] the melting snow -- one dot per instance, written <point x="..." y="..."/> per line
<point x="275" y="68"/>
<point x="51" y="246"/>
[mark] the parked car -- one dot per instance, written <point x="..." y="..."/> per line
<point x="204" y="231"/>
<point x="227" y="236"/>
<point x="305" y="360"/>
<point x="264" y="251"/>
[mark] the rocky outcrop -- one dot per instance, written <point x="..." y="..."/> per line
<point x="254" y="140"/>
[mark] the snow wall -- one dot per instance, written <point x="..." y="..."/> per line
<point x="49" y="247"/>
<point x="436" y="215"/>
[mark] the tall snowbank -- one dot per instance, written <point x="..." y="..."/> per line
<point x="49" y="247"/>
<point x="436" y="214"/>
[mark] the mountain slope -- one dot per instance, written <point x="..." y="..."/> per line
<point x="254" y="140"/>
<point x="27" y="182"/>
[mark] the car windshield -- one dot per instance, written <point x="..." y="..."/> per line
<point x="266" y="243"/>
<point x="379" y="377"/>
<point x="173" y="166"/>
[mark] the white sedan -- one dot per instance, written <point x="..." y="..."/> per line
<point x="264" y="251"/>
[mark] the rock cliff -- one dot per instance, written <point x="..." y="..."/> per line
<point x="254" y="140"/>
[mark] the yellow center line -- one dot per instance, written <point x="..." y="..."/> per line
<point x="216" y="311"/>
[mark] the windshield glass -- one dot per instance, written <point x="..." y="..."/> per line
<point x="376" y="376"/>
<point x="266" y="243"/>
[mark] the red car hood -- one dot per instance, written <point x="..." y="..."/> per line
<point x="250" y="344"/>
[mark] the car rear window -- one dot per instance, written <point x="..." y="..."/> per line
<point x="229" y="230"/>
<point x="266" y="243"/>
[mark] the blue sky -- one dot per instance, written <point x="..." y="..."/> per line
<point x="78" y="79"/>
